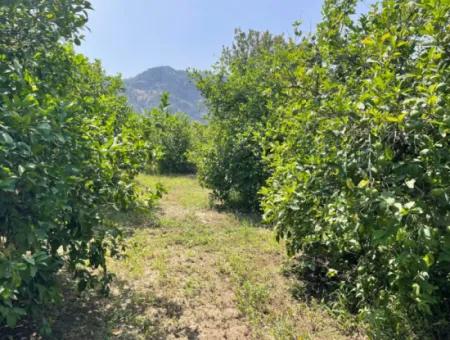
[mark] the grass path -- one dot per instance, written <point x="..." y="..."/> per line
<point x="197" y="274"/>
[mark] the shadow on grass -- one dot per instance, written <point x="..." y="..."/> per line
<point x="25" y="330"/>
<point x="125" y="314"/>
<point x="245" y="217"/>
<point x="134" y="219"/>
<point x="311" y="280"/>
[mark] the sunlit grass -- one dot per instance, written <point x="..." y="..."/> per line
<point x="184" y="190"/>
<point x="209" y="266"/>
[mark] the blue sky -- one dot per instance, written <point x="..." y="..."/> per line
<point x="129" y="36"/>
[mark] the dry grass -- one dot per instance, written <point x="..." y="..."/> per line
<point x="198" y="274"/>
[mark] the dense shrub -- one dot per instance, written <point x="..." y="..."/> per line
<point x="348" y="128"/>
<point x="68" y="152"/>
<point x="171" y="137"/>
<point x="237" y="93"/>
<point x="360" y="157"/>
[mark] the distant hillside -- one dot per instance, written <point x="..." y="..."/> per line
<point x="144" y="91"/>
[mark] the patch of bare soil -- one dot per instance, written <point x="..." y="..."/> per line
<point x="205" y="300"/>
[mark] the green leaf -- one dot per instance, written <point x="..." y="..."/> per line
<point x="350" y="183"/>
<point x="21" y="170"/>
<point x="363" y="183"/>
<point x="410" y="205"/>
<point x="385" y="36"/>
<point x="332" y="273"/>
<point x="428" y="259"/>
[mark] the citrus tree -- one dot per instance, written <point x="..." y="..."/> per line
<point x="170" y="136"/>
<point x="360" y="162"/>
<point x="68" y="153"/>
<point x="238" y="92"/>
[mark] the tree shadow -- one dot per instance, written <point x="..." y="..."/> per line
<point x="24" y="330"/>
<point x="311" y="280"/>
<point x="134" y="219"/>
<point x="242" y="214"/>
<point x="125" y="314"/>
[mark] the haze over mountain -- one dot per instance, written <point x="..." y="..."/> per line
<point x="144" y="91"/>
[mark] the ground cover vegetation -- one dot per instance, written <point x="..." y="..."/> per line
<point x="196" y="273"/>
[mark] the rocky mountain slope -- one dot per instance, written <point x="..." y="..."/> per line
<point x="144" y="91"/>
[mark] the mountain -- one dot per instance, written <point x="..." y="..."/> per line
<point x="144" y="91"/>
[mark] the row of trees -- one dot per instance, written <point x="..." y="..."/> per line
<point x="172" y="137"/>
<point x="70" y="147"/>
<point x="69" y="150"/>
<point x="341" y="139"/>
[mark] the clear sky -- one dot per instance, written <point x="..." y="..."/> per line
<point x="130" y="36"/>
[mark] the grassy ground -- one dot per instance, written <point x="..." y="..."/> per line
<point x="196" y="274"/>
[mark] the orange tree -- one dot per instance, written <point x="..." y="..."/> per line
<point x="360" y="164"/>
<point x="239" y="93"/>
<point x="171" y="136"/>
<point x="68" y="152"/>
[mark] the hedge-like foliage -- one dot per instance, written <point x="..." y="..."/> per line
<point x="171" y="137"/>
<point x="360" y="156"/>
<point x="348" y="128"/>
<point x="237" y="93"/>
<point x="68" y="152"/>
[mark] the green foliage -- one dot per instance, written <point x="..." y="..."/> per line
<point x="360" y="164"/>
<point x="237" y="94"/>
<point x="68" y="153"/>
<point x="171" y="137"/>
<point x="348" y="128"/>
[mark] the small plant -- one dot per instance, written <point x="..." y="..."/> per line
<point x="252" y="299"/>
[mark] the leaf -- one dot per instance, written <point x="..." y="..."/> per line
<point x="29" y="259"/>
<point x="360" y="106"/>
<point x="416" y="289"/>
<point x="410" y="184"/>
<point x="350" y="183"/>
<point x="396" y="119"/>
<point x="331" y="273"/>
<point x="363" y="183"/>
<point x="6" y="137"/>
<point x="368" y="41"/>
<point x="388" y="153"/>
<point x="385" y="36"/>
<point x="389" y="200"/>
<point x="410" y="205"/>
<point x="426" y="232"/>
<point x="21" y="170"/>
<point x="428" y="259"/>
